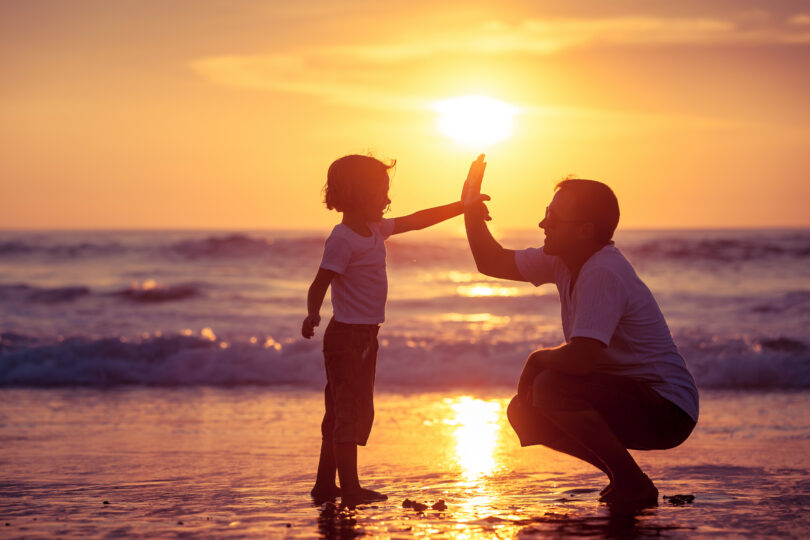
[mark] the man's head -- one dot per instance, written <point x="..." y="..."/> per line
<point x="582" y="215"/>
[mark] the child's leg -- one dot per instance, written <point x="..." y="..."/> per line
<point x="362" y="417"/>
<point x="351" y="492"/>
<point x="325" y="488"/>
<point x="345" y="456"/>
<point x="326" y="465"/>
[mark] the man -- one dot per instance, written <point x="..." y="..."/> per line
<point x="618" y="382"/>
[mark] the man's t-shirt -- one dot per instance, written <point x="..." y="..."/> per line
<point x="611" y="304"/>
<point x="360" y="289"/>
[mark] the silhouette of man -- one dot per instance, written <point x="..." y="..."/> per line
<point x="618" y="382"/>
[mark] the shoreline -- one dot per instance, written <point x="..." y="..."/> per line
<point x="241" y="461"/>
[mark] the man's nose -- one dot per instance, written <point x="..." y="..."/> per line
<point x="542" y="223"/>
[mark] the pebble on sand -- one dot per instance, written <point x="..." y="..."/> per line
<point x="419" y="507"/>
<point x="679" y="500"/>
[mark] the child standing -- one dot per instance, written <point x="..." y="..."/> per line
<point x="354" y="265"/>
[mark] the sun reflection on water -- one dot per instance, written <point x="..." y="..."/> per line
<point x="477" y="432"/>
<point x="483" y="289"/>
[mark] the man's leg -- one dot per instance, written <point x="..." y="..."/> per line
<point x="588" y="428"/>
<point x="532" y="427"/>
<point x="560" y="397"/>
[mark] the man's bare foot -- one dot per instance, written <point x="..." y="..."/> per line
<point x="639" y="493"/>
<point x="322" y="494"/>
<point x="362" y="496"/>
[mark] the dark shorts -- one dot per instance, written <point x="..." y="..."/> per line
<point x="639" y="416"/>
<point x="350" y="357"/>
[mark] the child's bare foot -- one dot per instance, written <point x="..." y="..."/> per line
<point x="638" y="493"/>
<point x="321" y="494"/>
<point x="362" y="496"/>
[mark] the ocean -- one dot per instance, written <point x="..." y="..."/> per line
<point x="155" y="384"/>
<point x="168" y="308"/>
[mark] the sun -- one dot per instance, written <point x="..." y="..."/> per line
<point x="476" y="121"/>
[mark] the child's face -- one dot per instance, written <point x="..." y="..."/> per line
<point x="375" y="204"/>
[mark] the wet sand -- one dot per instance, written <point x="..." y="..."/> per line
<point x="240" y="462"/>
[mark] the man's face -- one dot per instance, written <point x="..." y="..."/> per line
<point x="562" y="225"/>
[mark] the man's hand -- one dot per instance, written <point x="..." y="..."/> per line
<point x="531" y="370"/>
<point x="471" y="196"/>
<point x="310" y="322"/>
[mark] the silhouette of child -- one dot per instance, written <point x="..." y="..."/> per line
<point x="354" y="265"/>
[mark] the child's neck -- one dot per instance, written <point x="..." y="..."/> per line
<point x="356" y="223"/>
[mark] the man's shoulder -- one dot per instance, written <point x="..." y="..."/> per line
<point x="610" y="263"/>
<point x="538" y="267"/>
<point x="609" y="258"/>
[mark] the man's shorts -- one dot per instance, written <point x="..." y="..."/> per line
<point x="639" y="417"/>
<point x="350" y="357"/>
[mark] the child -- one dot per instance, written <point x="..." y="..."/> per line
<point x="354" y="264"/>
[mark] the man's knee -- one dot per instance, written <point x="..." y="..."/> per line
<point x="556" y="391"/>
<point x="529" y="424"/>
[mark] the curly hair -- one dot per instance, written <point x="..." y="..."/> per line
<point x="352" y="178"/>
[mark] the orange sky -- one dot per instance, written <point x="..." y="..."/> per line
<point x="214" y="114"/>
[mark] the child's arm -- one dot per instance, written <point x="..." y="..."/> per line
<point x="315" y="296"/>
<point x="430" y="216"/>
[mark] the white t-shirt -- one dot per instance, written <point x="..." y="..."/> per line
<point x="611" y="304"/>
<point x="360" y="289"/>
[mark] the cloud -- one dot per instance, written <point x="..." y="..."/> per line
<point x="800" y="19"/>
<point x="361" y="74"/>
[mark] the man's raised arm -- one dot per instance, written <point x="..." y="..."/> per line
<point x="490" y="257"/>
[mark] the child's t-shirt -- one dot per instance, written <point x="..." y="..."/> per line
<point x="360" y="289"/>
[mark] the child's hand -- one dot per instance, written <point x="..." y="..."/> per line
<point x="310" y="322"/>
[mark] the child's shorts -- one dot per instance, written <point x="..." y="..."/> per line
<point x="350" y="357"/>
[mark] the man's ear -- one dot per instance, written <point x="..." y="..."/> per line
<point x="587" y="231"/>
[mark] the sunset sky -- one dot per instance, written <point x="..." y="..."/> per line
<point x="226" y="114"/>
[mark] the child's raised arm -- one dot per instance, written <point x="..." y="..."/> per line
<point x="432" y="216"/>
<point x="317" y="291"/>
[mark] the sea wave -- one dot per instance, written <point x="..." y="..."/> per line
<point x="70" y="250"/>
<point x="148" y="291"/>
<point x="712" y="246"/>
<point x="152" y="292"/>
<point x="792" y="245"/>
<point x="404" y="362"/>
<point x="31" y="293"/>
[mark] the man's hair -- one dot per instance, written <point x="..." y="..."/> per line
<point x="352" y="178"/>
<point x="596" y="203"/>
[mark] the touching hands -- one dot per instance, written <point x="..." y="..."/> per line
<point x="471" y="196"/>
<point x="310" y="322"/>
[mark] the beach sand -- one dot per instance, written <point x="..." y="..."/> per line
<point x="202" y="462"/>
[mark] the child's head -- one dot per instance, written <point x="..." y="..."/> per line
<point x="358" y="184"/>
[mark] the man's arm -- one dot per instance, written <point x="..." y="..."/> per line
<point x="490" y="258"/>
<point x="315" y="296"/>
<point x="578" y="357"/>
